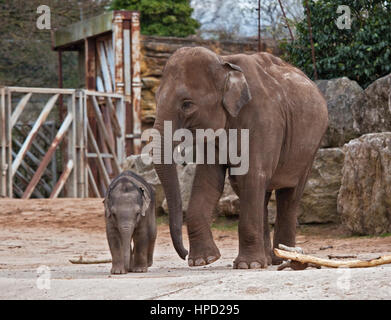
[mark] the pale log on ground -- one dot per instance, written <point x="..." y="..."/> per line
<point x="303" y="258"/>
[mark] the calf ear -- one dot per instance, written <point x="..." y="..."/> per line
<point x="236" y="90"/>
<point x="146" y="201"/>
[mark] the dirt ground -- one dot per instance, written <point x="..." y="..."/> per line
<point x="39" y="237"/>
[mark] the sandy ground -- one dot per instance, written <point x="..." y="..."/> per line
<point x="38" y="237"/>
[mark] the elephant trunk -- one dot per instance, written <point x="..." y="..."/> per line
<point x="126" y="238"/>
<point x="168" y="176"/>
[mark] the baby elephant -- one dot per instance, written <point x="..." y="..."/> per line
<point x="130" y="215"/>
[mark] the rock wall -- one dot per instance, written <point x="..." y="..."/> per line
<point x="364" y="200"/>
<point x="157" y="50"/>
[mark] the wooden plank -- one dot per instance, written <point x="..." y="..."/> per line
<point x="59" y="136"/>
<point x="103" y="130"/>
<point x="104" y="67"/>
<point x="110" y="59"/>
<point x="114" y="118"/>
<point x="121" y="142"/>
<point x="27" y="143"/>
<point x="61" y="181"/>
<point x="103" y="94"/>
<point x="101" y="165"/>
<point x="19" y="108"/>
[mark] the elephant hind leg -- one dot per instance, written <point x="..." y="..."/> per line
<point x="266" y="234"/>
<point x="288" y="200"/>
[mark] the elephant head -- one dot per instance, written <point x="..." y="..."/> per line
<point x="128" y="199"/>
<point x="198" y="90"/>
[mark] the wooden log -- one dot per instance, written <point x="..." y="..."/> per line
<point x="303" y="258"/>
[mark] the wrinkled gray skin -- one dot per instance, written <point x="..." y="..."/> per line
<point x="130" y="215"/>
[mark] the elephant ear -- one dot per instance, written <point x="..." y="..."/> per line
<point x="236" y="90"/>
<point x="147" y="197"/>
<point x="146" y="201"/>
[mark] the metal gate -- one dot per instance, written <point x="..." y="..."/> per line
<point x="26" y="165"/>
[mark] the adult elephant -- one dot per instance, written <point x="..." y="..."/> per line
<point x="286" y="116"/>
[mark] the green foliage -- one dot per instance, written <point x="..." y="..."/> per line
<point x="26" y="56"/>
<point x="362" y="53"/>
<point x="161" y="17"/>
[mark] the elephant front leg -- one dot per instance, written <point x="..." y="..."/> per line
<point x="208" y="185"/>
<point x="113" y="238"/>
<point x="252" y="246"/>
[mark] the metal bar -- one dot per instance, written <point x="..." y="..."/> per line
<point x="25" y="181"/>
<point x="118" y="52"/>
<point x="37" y="146"/>
<point x="93" y="183"/>
<point x="80" y="163"/>
<point x="29" y="170"/>
<point x="59" y="136"/>
<point x="103" y="155"/>
<point x="104" y="132"/>
<point x="8" y="129"/>
<point x="3" y="148"/>
<point x="101" y="165"/>
<point x="121" y="141"/>
<point x="103" y="94"/>
<point x="61" y="181"/>
<point x="259" y="27"/>
<point x="19" y="108"/>
<point x="32" y="157"/>
<point x="41" y="119"/>
<point x="136" y="81"/>
<point x="40" y="90"/>
<point x="71" y="148"/>
<point x="311" y="39"/>
<point x="127" y="60"/>
<point x="286" y="20"/>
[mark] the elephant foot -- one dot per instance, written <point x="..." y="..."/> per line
<point x="118" y="270"/>
<point x="250" y="263"/>
<point x="276" y="260"/>
<point x="139" y="269"/>
<point x="208" y="257"/>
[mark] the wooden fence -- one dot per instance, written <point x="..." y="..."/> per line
<point x="88" y="161"/>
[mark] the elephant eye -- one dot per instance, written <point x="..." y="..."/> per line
<point x="186" y="105"/>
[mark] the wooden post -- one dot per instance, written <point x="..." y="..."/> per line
<point x="90" y="73"/>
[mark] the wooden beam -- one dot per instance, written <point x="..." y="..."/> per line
<point x="61" y="181"/>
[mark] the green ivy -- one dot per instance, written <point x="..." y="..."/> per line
<point x="161" y="17"/>
<point x="361" y="53"/>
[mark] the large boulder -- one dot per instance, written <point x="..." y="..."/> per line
<point x="340" y="94"/>
<point x="185" y="176"/>
<point x="364" y="200"/>
<point x="372" y="109"/>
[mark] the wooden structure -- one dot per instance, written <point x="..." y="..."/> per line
<point x="24" y="164"/>
<point x="98" y="126"/>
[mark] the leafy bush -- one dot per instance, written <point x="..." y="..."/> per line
<point x="162" y="17"/>
<point x="362" y="53"/>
